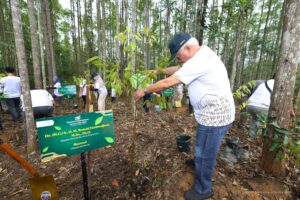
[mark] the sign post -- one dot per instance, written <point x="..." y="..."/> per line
<point x="75" y="134"/>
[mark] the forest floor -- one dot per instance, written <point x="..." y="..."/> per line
<point x="161" y="170"/>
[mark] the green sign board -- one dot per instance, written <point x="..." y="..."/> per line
<point x="74" y="134"/>
<point x="68" y="91"/>
<point x="168" y="92"/>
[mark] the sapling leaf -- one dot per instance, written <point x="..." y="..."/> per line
<point x="274" y="146"/>
<point x="98" y="120"/>
<point x="285" y="140"/>
<point x="279" y="155"/>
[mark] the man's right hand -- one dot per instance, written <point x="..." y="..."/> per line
<point x="139" y="94"/>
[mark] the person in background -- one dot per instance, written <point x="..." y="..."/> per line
<point x="99" y="86"/>
<point x="11" y="85"/>
<point x="209" y="90"/>
<point x="259" y="103"/>
<point x="42" y="103"/>
<point x="113" y="95"/>
<point x="58" y="97"/>
<point x="82" y="92"/>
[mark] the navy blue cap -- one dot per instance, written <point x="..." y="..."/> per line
<point x="177" y="42"/>
<point x="94" y="74"/>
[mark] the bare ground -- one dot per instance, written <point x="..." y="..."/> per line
<point x="160" y="171"/>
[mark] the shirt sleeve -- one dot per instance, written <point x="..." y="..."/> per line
<point x="190" y="71"/>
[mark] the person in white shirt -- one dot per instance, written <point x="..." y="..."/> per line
<point x="259" y="103"/>
<point x="56" y="94"/>
<point x="42" y="103"/>
<point x="12" y="91"/>
<point x="113" y="95"/>
<point x="209" y="90"/>
<point x="82" y="92"/>
<point x="102" y="91"/>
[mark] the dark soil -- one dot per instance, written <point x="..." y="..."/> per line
<point x="160" y="171"/>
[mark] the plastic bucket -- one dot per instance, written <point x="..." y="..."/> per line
<point x="183" y="143"/>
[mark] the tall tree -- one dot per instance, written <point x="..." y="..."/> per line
<point x="134" y="31"/>
<point x="117" y="48"/>
<point x="201" y="15"/>
<point x="50" y="35"/>
<point x="74" y="39"/>
<point x="42" y="56"/>
<point x="34" y="45"/>
<point x="22" y="65"/>
<point x="282" y="96"/>
<point x="263" y="41"/>
<point x="47" y="42"/>
<point x="147" y="26"/>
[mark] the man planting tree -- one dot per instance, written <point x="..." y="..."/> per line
<point x="209" y="90"/>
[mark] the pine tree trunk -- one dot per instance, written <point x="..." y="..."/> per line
<point x="201" y="15"/>
<point x="236" y="51"/>
<point x="117" y="46"/>
<point x="283" y="92"/>
<point x="79" y="33"/>
<point x="134" y="31"/>
<point x="42" y="55"/>
<point x="47" y="43"/>
<point x="263" y="41"/>
<point x="22" y="65"/>
<point x="74" y="39"/>
<point x="50" y="35"/>
<point x="253" y="65"/>
<point x="147" y="25"/>
<point x="34" y="45"/>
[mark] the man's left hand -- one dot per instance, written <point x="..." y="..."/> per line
<point x="139" y="94"/>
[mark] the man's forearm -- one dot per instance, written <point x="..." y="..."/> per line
<point x="171" y="70"/>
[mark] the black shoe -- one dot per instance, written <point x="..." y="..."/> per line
<point x="190" y="163"/>
<point x="192" y="194"/>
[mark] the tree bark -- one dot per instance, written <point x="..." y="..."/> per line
<point x="47" y="43"/>
<point x="134" y="31"/>
<point x="117" y="46"/>
<point x="50" y="35"/>
<point x="236" y="51"/>
<point x="283" y="92"/>
<point x="74" y="39"/>
<point x="44" y="79"/>
<point x="22" y="65"/>
<point x="201" y="13"/>
<point x="34" y="45"/>
<point x="147" y="25"/>
<point x="262" y="50"/>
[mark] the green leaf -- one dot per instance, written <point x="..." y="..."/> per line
<point x="298" y="159"/>
<point x="275" y="124"/>
<point x="285" y="140"/>
<point x="274" y="146"/>
<point x="109" y="139"/>
<point x="279" y="155"/>
<point x="296" y="149"/>
<point x="282" y="131"/>
<point x="45" y="149"/>
<point x="98" y="120"/>
<point x="57" y="128"/>
<point x="91" y="59"/>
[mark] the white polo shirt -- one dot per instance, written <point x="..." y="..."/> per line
<point x="209" y="89"/>
<point x="261" y="96"/>
<point x="11" y="86"/>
